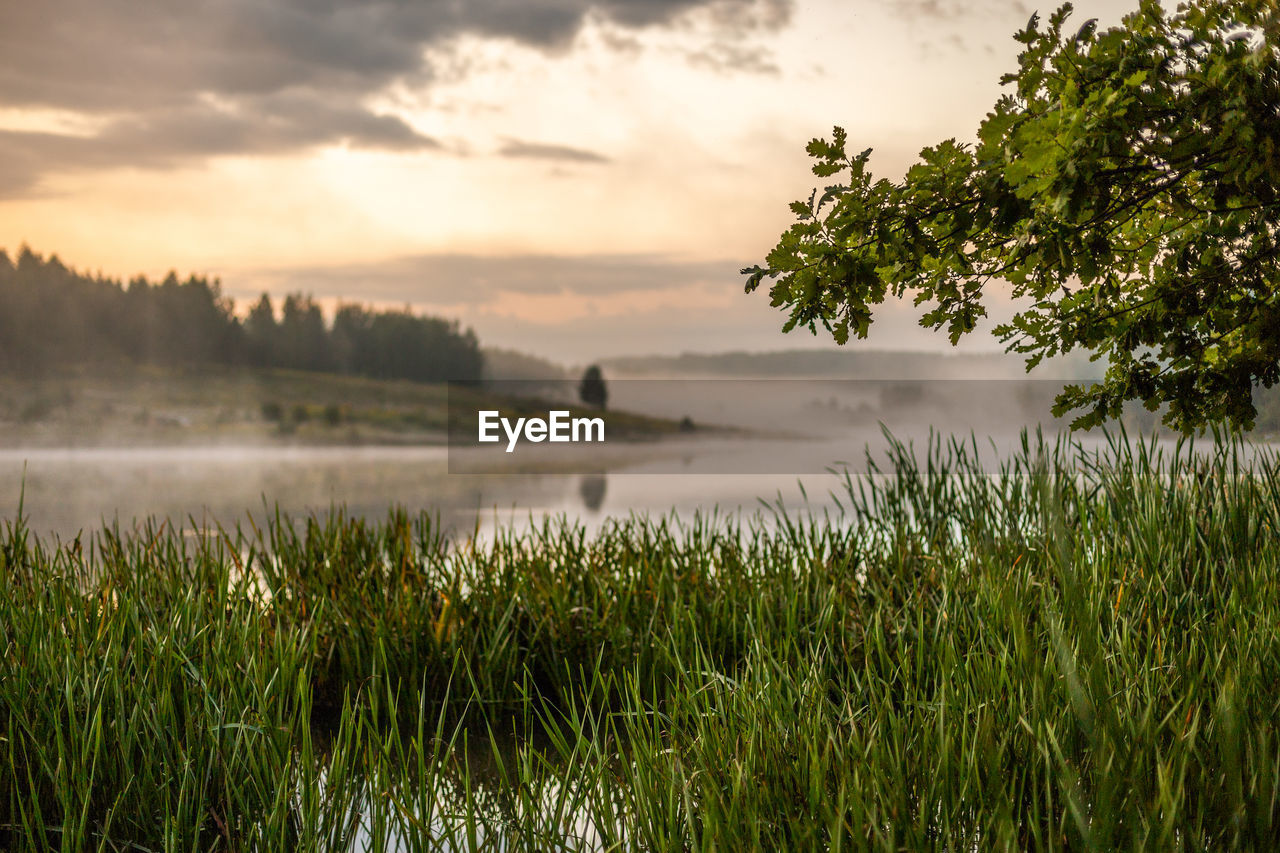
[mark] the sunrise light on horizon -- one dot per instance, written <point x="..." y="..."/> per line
<point x="574" y="179"/>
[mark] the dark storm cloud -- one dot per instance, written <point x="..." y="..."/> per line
<point x="516" y="148"/>
<point x="458" y="279"/>
<point x="165" y="138"/>
<point x="192" y="78"/>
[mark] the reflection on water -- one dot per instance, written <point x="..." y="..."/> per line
<point x="490" y="794"/>
<point x="592" y="488"/>
<point x="66" y="491"/>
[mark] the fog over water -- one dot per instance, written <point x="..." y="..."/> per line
<point x="67" y="491"/>
<point x="790" y="434"/>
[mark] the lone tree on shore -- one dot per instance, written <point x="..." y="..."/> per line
<point x="1125" y="190"/>
<point x="592" y="391"/>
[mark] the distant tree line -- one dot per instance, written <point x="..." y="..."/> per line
<point x="52" y="316"/>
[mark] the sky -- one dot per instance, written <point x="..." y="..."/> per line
<point x="572" y="178"/>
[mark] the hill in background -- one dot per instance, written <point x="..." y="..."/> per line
<point x="846" y="364"/>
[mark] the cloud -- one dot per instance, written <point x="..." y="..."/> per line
<point x="568" y="307"/>
<point x="196" y="78"/>
<point x="726" y="57"/>
<point x="953" y="10"/>
<point x="164" y="139"/>
<point x="516" y="148"/>
<point x="461" y="279"/>
<point x="959" y="27"/>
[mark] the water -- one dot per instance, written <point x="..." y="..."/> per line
<point x="790" y="434"/>
<point x="67" y="491"/>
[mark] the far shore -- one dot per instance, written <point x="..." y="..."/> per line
<point x="240" y="407"/>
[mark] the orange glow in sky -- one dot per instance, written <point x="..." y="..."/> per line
<point x="280" y="152"/>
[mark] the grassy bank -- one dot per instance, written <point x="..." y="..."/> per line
<point x="1066" y="651"/>
<point x="130" y="404"/>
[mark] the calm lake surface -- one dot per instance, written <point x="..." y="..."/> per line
<point x="66" y="491"/>
<point x="793" y="434"/>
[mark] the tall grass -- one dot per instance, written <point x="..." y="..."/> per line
<point x="1056" y="649"/>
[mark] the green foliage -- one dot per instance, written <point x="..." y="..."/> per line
<point x="592" y="390"/>
<point x="1069" y="650"/>
<point x="302" y="338"/>
<point x="52" y="317"/>
<point x="1126" y="189"/>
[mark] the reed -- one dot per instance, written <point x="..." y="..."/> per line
<point x="1060" y="648"/>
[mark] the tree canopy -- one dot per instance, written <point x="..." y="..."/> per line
<point x="53" y="317"/>
<point x="1123" y="193"/>
<point x="592" y="390"/>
